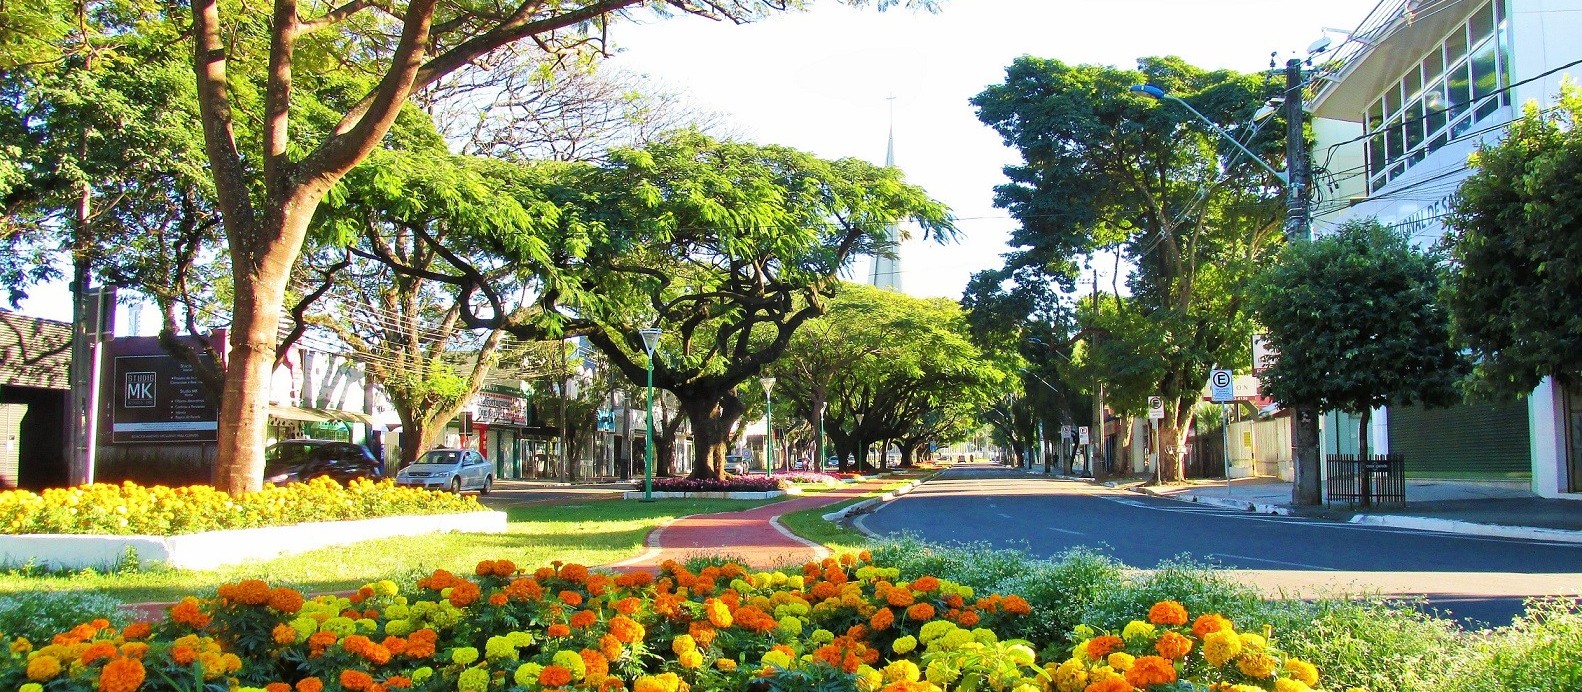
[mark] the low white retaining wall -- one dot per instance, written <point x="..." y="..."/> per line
<point x="707" y="495"/>
<point x="218" y="548"/>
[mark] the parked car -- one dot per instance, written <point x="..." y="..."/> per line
<point x="455" y="470"/>
<point x="735" y="464"/>
<point x="832" y="463"/>
<point x="296" y="461"/>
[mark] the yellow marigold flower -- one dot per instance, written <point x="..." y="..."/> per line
<point x="823" y="636"/>
<point x="1220" y="647"/>
<point x="935" y="629"/>
<point x="21" y="645"/>
<point x="1253" y="642"/>
<point x="725" y="664"/>
<point x="1137" y="629"/>
<point x="41" y="668"/>
<point x="385" y="587"/>
<point x="1070" y="676"/>
<point x="473" y="680"/>
<point x="789" y="626"/>
<point x="572" y="661"/>
<point x="868" y="679"/>
<point x="1289" y="685"/>
<point x="904" y="644"/>
<point x="1121" y="660"/>
<point x="776" y="658"/>
<point x="525" y="675"/>
<point x="1256" y="665"/>
<point x="689" y="660"/>
<point x="1303" y="671"/>
<point x="464" y="655"/>
<point x="902" y="671"/>
<point x="683" y="643"/>
<point x="499" y="648"/>
<point x="31" y="687"/>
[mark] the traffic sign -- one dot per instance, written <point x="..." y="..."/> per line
<point x="1065" y="432"/>
<point x="1221" y="386"/>
<point x="1082" y="435"/>
<point x="1156" y="407"/>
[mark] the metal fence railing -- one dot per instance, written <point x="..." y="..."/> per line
<point x="1365" y="481"/>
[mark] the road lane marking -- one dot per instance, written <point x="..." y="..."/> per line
<point x="1007" y="516"/>
<point x="1074" y="533"/>
<point x="1275" y="562"/>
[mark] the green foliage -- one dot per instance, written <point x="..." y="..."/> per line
<point x="1347" y="639"/>
<point x="1541" y="650"/>
<point x="40" y="615"/>
<point x="1356" y="319"/>
<point x="1515" y="292"/>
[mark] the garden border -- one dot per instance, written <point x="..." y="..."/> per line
<point x="211" y="549"/>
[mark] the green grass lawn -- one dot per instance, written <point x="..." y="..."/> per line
<point x="592" y="533"/>
<point x="810" y="523"/>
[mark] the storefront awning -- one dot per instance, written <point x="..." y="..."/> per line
<point x="318" y="415"/>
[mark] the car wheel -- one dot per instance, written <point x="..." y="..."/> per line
<point x="487" y="482"/>
<point x="455" y="484"/>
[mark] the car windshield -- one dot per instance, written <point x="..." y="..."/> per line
<point x="281" y="457"/>
<point x="440" y="458"/>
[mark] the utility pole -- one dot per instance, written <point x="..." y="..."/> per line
<point x="1307" y="490"/>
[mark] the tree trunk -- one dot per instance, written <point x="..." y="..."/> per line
<point x="1306" y="462"/>
<point x="420" y="432"/>
<point x="1173" y="430"/>
<point x="712" y="418"/>
<point x="1364" y="419"/>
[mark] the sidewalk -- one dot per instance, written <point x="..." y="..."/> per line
<point x="755" y="536"/>
<point x="1487" y="508"/>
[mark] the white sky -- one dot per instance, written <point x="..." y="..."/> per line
<point x="818" y="81"/>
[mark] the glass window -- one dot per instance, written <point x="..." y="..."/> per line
<point x="1458" y="87"/>
<point x="1393" y="143"/>
<point x="1376" y="154"/>
<point x="1504" y="39"/>
<point x="1412" y="83"/>
<point x="1413" y="125"/>
<point x="1482" y="23"/>
<point x="1392" y="99"/>
<point x="1485" y="79"/>
<point x="1456" y="45"/>
<point x="1434" y="106"/>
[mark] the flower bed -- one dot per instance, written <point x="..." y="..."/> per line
<point x="129" y="509"/>
<point x="806" y="478"/>
<point x="836" y="625"/>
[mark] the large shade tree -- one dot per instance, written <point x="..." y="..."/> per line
<point x="1103" y="168"/>
<point x="1356" y="319"/>
<point x="267" y="201"/>
<point x="727" y="247"/>
<point x="1515" y="289"/>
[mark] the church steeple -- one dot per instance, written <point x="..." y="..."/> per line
<point x="886" y="272"/>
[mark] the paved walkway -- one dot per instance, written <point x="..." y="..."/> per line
<point x="754" y="536"/>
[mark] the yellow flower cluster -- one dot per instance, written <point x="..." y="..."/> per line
<point x="1163" y="651"/>
<point x="131" y="509"/>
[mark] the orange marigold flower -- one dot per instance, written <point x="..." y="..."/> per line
<point x="420" y="644"/>
<point x="595" y="666"/>
<point x="968" y="618"/>
<point x="544" y="573"/>
<point x="597" y="584"/>
<point x="356" y="680"/>
<point x="558" y="630"/>
<point x="625" y="630"/>
<point x="121" y="675"/>
<point x="574" y="572"/>
<point x="137" y="630"/>
<point x="702" y="631"/>
<point x="97" y="650"/>
<point x="955" y="601"/>
<point x="1173" y="646"/>
<point x="310" y="685"/>
<point x="398" y="682"/>
<point x="1151" y="670"/>
<point x="570" y="598"/>
<point x="882" y="620"/>
<point x="319" y="641"/>
<point x="610" y="646"/>
<point x="899" y="598"/>
<point x="524" y="590"/>
<point x="134" y="649"/>
<point x="865" y="556"/>
<point x="288" y="601"/>
<point x="1099" y="647"/>
<point x="1212" y="622"/>
<point x="246" y="591"/>
<point x="1167" y="613"/>
<point x="277" y="687"/>
<point x="187" y="613"/>
<point x="464" y="594"/>
<point x="183" y="655"/>
<point x="925" y="584"/>
<point x="920" y="612"/>
<point x="498" y="599"/>
<point x="627" y="606"/>
<point x="283" y="634"/>
<point x="1112" y="684"/>
<point x="554" y="676"/>
<point x="1016" y="605"/>
<point x="583" y="619"/>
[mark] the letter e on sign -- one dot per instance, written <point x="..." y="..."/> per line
<point x="1221" y="386"/>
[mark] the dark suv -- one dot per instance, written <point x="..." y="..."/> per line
<point x="294" y="461"/>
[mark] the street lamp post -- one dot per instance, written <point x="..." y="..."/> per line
<point x="818" y="464"/>
<point x="650" y="342"/>
<point x="862" y="452"/>
<point x="769" y="425"/>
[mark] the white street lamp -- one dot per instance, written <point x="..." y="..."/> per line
<point x="769" y="425"/>
<point x="650" y="342"/>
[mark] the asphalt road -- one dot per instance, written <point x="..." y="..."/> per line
<point x="1474" y="578"/>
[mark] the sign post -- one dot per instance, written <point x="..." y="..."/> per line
<point x="1222" y="391"/>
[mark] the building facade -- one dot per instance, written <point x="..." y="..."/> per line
<point x="1414" y="91"/>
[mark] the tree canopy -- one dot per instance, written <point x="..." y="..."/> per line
<point x="1356" y="319"/>
<point x="1515" y="289"/>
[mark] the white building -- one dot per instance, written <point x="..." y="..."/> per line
<point x="1417" y="87"/>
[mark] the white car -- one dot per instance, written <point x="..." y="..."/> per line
<point x="455" y="470"/>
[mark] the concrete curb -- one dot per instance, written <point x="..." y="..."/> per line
<point x="851" y="509"/>
<point x="1467" y="527"/>
<point x="1226" y="502"/>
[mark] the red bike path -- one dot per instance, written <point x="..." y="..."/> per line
<point x="754" y="536"/>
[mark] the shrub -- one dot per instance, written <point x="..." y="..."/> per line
<point x="39" y="616"/>
<point x="1195" y="584"/>
<point x="805" y="478"/>
<point x="128" y="508"/>
<point x="1539" y="650"/>
<point x="1349" y="638"/>
<point x="753" y="484"/>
